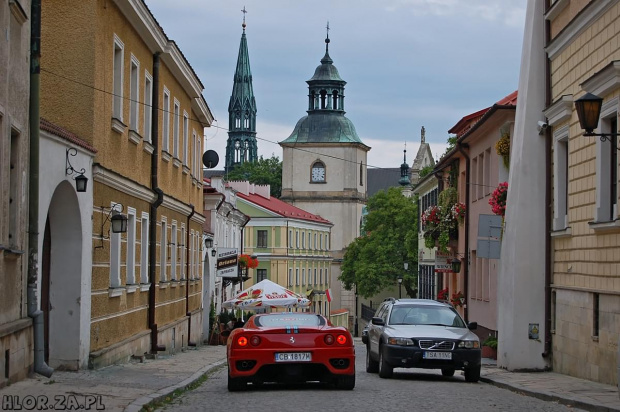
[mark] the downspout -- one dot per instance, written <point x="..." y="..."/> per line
<point x="548" y="172"/>
<point x="153" y="207"/>
<point x="188" y="313"/>
<point x="460" y="147"/>
<point x="34" y="312"/>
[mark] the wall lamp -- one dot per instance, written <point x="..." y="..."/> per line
<point x="118" y="222"/>
<point x="589" y="110"/>
<point x="209" y="242"/>
<point x="213" y="252"/>
<point x="81" y="181"/>
<point x="456" y="263"/>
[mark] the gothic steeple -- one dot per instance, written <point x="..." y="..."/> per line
<point x="241" y="146"/>
<point x="404" y="170"/>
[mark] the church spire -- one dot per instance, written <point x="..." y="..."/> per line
<point x="241" y="146"/>
<point x="404" y="170"/>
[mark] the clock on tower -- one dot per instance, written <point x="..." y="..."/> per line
<point x="318" y="173"/>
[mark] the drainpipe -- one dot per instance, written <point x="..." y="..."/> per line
<point x="34" y="312"/>
<point x="153" y="207"/>
<point x="460" y="147"/>
<point x="548" y="218"/>
<point x="188" y="313"/>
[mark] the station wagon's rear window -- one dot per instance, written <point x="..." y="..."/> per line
<point x="289" y="319"/>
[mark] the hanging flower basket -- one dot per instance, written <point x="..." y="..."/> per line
<point x="498" y="199"/>
<point x="502" y="147"/>
<point x="247" y="261"/>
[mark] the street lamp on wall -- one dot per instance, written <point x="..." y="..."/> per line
<point x="81" y="181"/>
<point x="118" y="222"/>
<point x="456" y="265"/>
<point x="588" y="109"/>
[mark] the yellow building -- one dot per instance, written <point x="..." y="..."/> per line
<point x="583" y="49"/>
<point x="112" y="77"/>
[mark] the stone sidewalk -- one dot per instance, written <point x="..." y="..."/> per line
<point x="131" y="386"/>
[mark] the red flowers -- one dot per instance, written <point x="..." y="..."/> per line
<point x="431" y="216"/>
<point x="247" y="261"/>
<point x="498" y="199"/>
<point x="457" y="299"/>
<point x="443" y="294"/>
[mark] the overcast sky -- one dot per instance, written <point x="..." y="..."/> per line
<point x="407" y="63"/>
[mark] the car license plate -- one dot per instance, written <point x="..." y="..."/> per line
<point x="294" y="357"/>
<point x="438" y="355"/>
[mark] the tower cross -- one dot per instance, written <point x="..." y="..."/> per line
<point x="244" y="13"/>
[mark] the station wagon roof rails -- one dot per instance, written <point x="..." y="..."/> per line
<point x="389" y="299"/>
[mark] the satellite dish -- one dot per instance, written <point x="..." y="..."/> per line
<point x="210" y="159"/>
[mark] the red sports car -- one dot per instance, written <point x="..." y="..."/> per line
<point x="290" y="347"/>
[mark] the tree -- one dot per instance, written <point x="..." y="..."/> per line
<point x="262" y="172"/>
<point x="374" y="261"/>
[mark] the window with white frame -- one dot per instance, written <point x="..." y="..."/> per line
<point x="607" y="165"/>
<point x="297" y="276"/>
<point x="148" y="106"/>
<point x="290" y="238"/>
<point x="144" y="248"/>
<point x="486" y="187"/>
<point x="303" y="276"/>
<point x="297" y="239"/>
<point x="315" y="241"/>
<point x="196" y="152"/>
<point x="315" y="277"/>
<point x="326" y="242"/>
<point x="163" y="250"/>
<point x="134" y="90"/>
<point x="131" y="246"/>
<point x="197" y="259"/>
<point x="480" y="185"/>
<point x="185" y="137"/>
<point x="560" y="178"/>
<point x="320" y="276"/>
<point x="309" y="240"/>
<point x="115" y="255"/>
<point x="173" y="251"/>
<point x="117" y="86"/>
<point x="175" y="129"/>
<point x="320" y="242"/>
<point x="473" y="188"/>
<point x="290" y="277"/>
<point x="182" y="251"/>
<point x="303" y="240"/>
<point x="12" y="169"/>
<point x="166" y="122"/>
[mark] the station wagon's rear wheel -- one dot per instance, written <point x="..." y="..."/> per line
<point x="372" y="366"/>
<point x="385" y="370"/>
<point x="447" y="372"/>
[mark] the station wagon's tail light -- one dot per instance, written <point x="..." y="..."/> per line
<point x="255" y="340"/>
<point x="242" y="341"/>
<point x="341" y="339"/>
<point x="329" y="339"/>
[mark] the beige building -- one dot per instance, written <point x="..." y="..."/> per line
<point x="584" y="57"/>
<point x="16" y="332"/>
<point x="114" y="79"/>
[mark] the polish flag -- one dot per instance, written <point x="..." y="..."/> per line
<point x="328" y="293"/>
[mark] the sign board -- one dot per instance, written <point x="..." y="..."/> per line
<point x="443" y="262"/>
<point x="226" y="265"/>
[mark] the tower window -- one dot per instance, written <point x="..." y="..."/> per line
<point x="335" y="100"/>
<point x="323" y="99"/>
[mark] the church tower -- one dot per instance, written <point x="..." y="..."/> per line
<point x="241" y="145"/>
<point x="324" y="168"/>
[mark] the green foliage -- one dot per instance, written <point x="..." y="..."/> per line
<point x="451" y="144"/>
<point x="262" y="172"/>
<point x="426" y="170"/>
<point x="373" y="262"/>
<point x="491" y="342"/>
<point x="447" y="198"/>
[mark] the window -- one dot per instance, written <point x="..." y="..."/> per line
<point x="607" y="166"/>
<point x="560" y="177"/>
<point x="474" y="179"/>
<point x="321" y="276"/>
<point x="14" y="186"/>
<point x="315" y="277"/>
<point x="315" y="241"/>
<point x="185" y="137"/>
<point x="163" y="247"/>
<point x="303" y="276"/>
<point x="595" y="314"/>
<point x="290" y="277"/>
<point x="148" y="106"/>
<point x="115" y="256"/>
<point x="326" y="242"/>
<point x="309" y="240"/>
<point x="261" y="239"/>
<point x="361" y="174"/>
<point x="131" y="246"/>
<point x="290" y="238"/>
<point x="296" y="239"/>
<point x="134" y="89"/>
<point x="144" y="248"/>
<point x="182" y="251"/>
<point x="303" y="240"/>
<point x="166" y="122"/>
<point x="261" y="274"/>
<point x="320" y="242"/>
<point x="297" y="276"/>
<point x="486" y="189"/>
<point x="175" y="129"/>
<point x="317" y="174"/>
<point x="173" y="251"/>
<point x="480" y="182"/>
<point x="196" y="165"/>
<point x="117" y="87"/>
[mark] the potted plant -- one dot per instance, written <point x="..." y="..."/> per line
<point x="443" y="294"/>
<point x="441" y="221"/>
<point x="498" y="199"/>
<point x="489" y="347"/>
<point x="502" y="147"/>
<point x="457" y="299"/>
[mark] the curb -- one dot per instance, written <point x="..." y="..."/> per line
<point x="140" y="403"/>
<point x="568" y="401"/>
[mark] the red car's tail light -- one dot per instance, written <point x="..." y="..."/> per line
<point x="255" y="340"/>
<point x="341" y="339"/>
<point x="242" y="341"/>
<point x="329" y="339"/>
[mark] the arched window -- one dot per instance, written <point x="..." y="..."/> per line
<point x="312" y="102"/>
<point x="335" y="100"/>
<point x="323" y="99"/>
